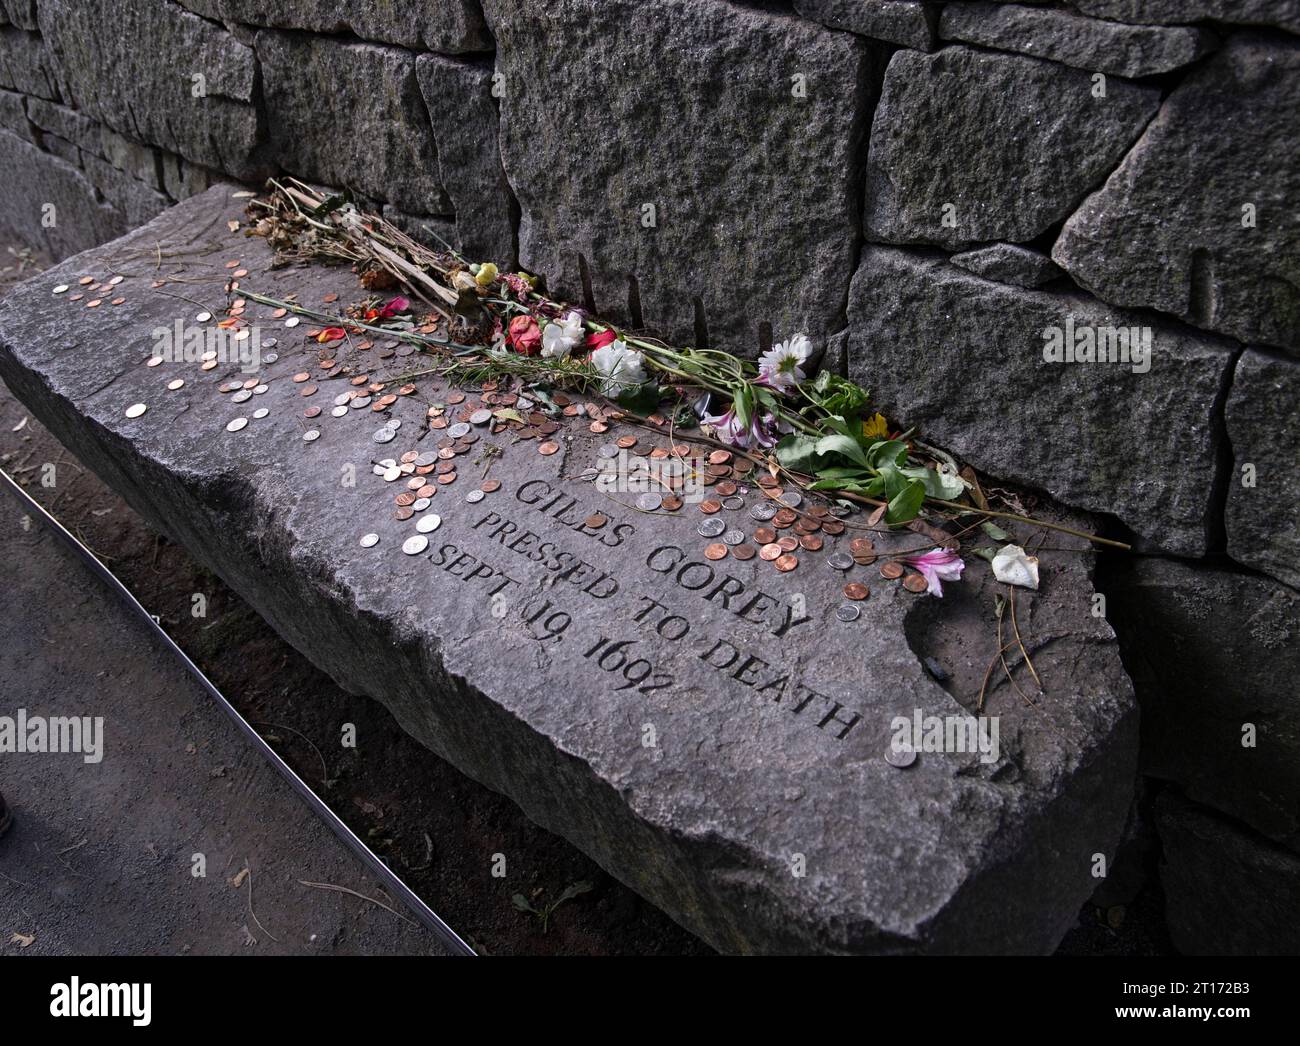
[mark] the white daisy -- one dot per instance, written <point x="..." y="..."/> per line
<point x="781" y="366"/>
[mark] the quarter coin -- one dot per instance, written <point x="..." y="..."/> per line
<point x="415" y="544"/>
<point x="135" y="410"/>
<point x="369" y="540"/>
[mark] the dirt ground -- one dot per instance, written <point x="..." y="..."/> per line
<point x="435" y="827"/>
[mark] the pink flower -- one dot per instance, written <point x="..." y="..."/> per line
<point x="935" y="566"/>
<point x="394" y="308"/>
<point x="525" y="335"/>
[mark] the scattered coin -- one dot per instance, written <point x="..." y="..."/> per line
<point x="786" y="563"/>
<point x="153" y="361"/>
<point x="763" y="511"/>
<point x="900" y="757"/>
<point x="810" y="543"/>
<point x="242" y="395"/>
<point x="369" y="540"/>
<point x="292" y="321"/>
<point x="717" y="550"/>
<point x="548" y="448"/>
<point x="489" y="486"/>
<point x="744" y="552"/>
<point x="765" y="535"/>
<point x="415" y="544"/>
<point x="915" y="583"/>
<point x="710" y="507"/>
<point x="856" y="591"/>
<point x="733" y="504"/>
<point x="176" y="383"/>
<point x="595" y="521"/>
<point x="384" y="436"/>
<point x="890" y="570"/>
<point x="428" y="524"/>
<point x="236" y="425"/>
<point x="791" y="499"/>
<point x="62" y="288"/>
<point x="649" y="502"/>
<point x="474" y="497"/>
<point x="671" y="503"/>
<point x="135" y="410"/>
<point x="311" y="436"/>
<point x="711" y="528"/>
<point x="734" y="537"/>
<point x="310" y="412"/>
<point x="203" y="317"/>
<point x="840" y="560"/>
<point x="480" y="417"/>
<point x="339" y="412"/>
<point x="770" y="552"/>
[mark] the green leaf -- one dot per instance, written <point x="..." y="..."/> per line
<point x="644" y="399"/>
<point x="994" y="531"/>
<point x="906" y="504"/>
<point x="574" y="890"/>
<point x="796" y="452"/>
<point x="846" y="446"/>
<point x="521" y="902"/>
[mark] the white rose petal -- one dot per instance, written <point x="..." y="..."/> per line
<point x="1011" y="566"/>
<point x="622" y="367"/>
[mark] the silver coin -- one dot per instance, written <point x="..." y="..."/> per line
<point x="733" y="503"/>
<point x="385" y="436"/>
<point x="62" y="288"/>
<point x="242" y="395"/>
<point x="270" y="357"/>
<point x="763" y="511"/>
<point x="650" y="501"/>
<point x="260" y="390"/>
<point x="900" y="757"/>
<point x="339" y="412"/>
<point x="426" y="458"/>
<point x="474" y="497"/>
<point x="733" y="537"/>
<point x="310" y="436"/>
<point x="415" y="544"/>
<point x="848" y="612"/>
<point x="841" y="511"/>
<point x="589" y="474"/>
<point x="176" y="383"/>
<point x="135" y="410"/>
<point x="394" y="423"/>
<point x="480" y="417"/>
<point x="369" y="540"/>
<point x="420" y="504"/>
<point x="342" y="398"/>
<point x="203" y="317"/>
<point x="840" y="561"/>
<point x="393" y="473"/>
<point x="710" y="528"/>
<point x="457" y="430"/>
<point x="791" y="499"/>
<point x="268" y="343"/>
<point x="358" y="402"/>
<point x="380" y="467"/>
<point x="292" y="321"/>
<point x="428" y="524"/>
<point x="609" y="451"/>
<point x="261" y="412"/>
<point x="236" y="425"/>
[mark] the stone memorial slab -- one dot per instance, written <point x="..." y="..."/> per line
<point x="712" y="721"/>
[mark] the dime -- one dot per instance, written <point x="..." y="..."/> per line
<point x="891" y="570"/>
<point x="840" y="560"/>
<point x="480" y="417"/>
<point x="339" y="412"/>
<point x="415" y="544"/>
<point x="260" y="390"/>
<point x="900" y="757"/>
<point x="734" y="537"/>
<point x="771" y="552"/>
<point x="786" y="563"/>
<point x="915" y="583"/>
<point x="203" y="317"/>
<point x="606" y="451"/>
<point x="428" y="523"/>
<point x="458" y="430"/>
<point x="62" y="288"/>
<point x="236" y="425"/>
<point x="310" y="436"/>
<point x="744" y="552"/>
<point x="384" y="436"/>
<point x="242" y="395"/>
<point x="848" y="612"/>
<point x="359" y="402"/>
<point x="292" y="321"/>
<point x="715" y="551"/>
<point x="649" y="502"/>
<point x="260" y="413"/>
<point x="153" y="361"/>
<point x="369" y="540"/>
<point x="711" y="528"/>
<point x="856" y="591"/>
<point x="548" y="448"/>
<point x="763" y="511"/>
<point x="791" y="499"/>
<point x="175" y="384"/>
<point x="135" y="410"/>
<point x="474" y="497"/>
<point x="420" y="504"/>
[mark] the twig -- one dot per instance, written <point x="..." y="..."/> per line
<point x="372" y="900"/>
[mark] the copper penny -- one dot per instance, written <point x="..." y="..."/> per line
<point x="786" y="563"/>
<point x="404" y="513"/>
<point x="311" y="412"/>
<point x="426" y="490"/>
<point x="856" y="591"/>
<point x="301" y="376"/>
<point x="404" y="498"/>
<point x="915" y="583"/>
<point x="710" y="507"/>
<point x="598" y="426"/>
<point x="671" y="503"/>
<point x="595" y="521"/>
<point x="716" y="551"/>
<point x="861" y="546"/>
<point x="548" y="448"/>
<point x="310" y="390"/>
<point x="784" y="518"/>
<point x="490" y="485"/>
<point x="788" y="544"/>
<point x="726" y="488"/>
<point x="744" y="552"/>
<point x="625" y="442"/>
<point x="719" y="457"/>
<point x="832" y="526"/>
<point x="891" y="570"/>
<point x="810" y="543"/>
<point x="765" y="535"/>
<point x="770" y="552"/>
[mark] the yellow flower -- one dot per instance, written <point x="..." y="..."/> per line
<point x="876" y="427"/>
<point x="487" y="272"/>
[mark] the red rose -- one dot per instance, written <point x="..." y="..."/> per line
<point x="525" y="335"/>
<point x="601" y="339"/>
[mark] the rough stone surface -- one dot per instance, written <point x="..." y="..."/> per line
<point x="753" y="218"/>
<point x="1008" y="263"/>
<point x="80" y="220"/>
<point x="21" y="13"/>
<point x="25" y="64"/>
<point x="963" y="358"/>
<point x="1210" y="651"/>
<point x="748" y="767"/>
<point x="449" y="26"/>
<point x="147" y="92"/>
<point x="13" y="115"/>
<point x="905" y="22"/>
<point x="1226" y="891"/>
<point x="1282" y="13"/>
<point x="1166" y="230"/>
<point x="1011" y="143"/>
<point x="464" y="116"/>
<point x="365" y="92"/>
<point x="1086" y="43"/>
<point x="136" y="200"/>
<point x="1263" y="416"/>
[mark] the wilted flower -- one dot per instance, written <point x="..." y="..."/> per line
<point x="781" y="366"/>
<point x="622" y="367"/>
<point x="600" y="339"/>
<point x="763" y="430"/>
<point x="525" y="336"/>
<point x="331" y="334"/>
<point x="487" y="272"/>
<point x="937" y="565"/>
<point x="518" y="284"/>
<point x="560" y="337"/>
<point x="1011" y="566"/>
